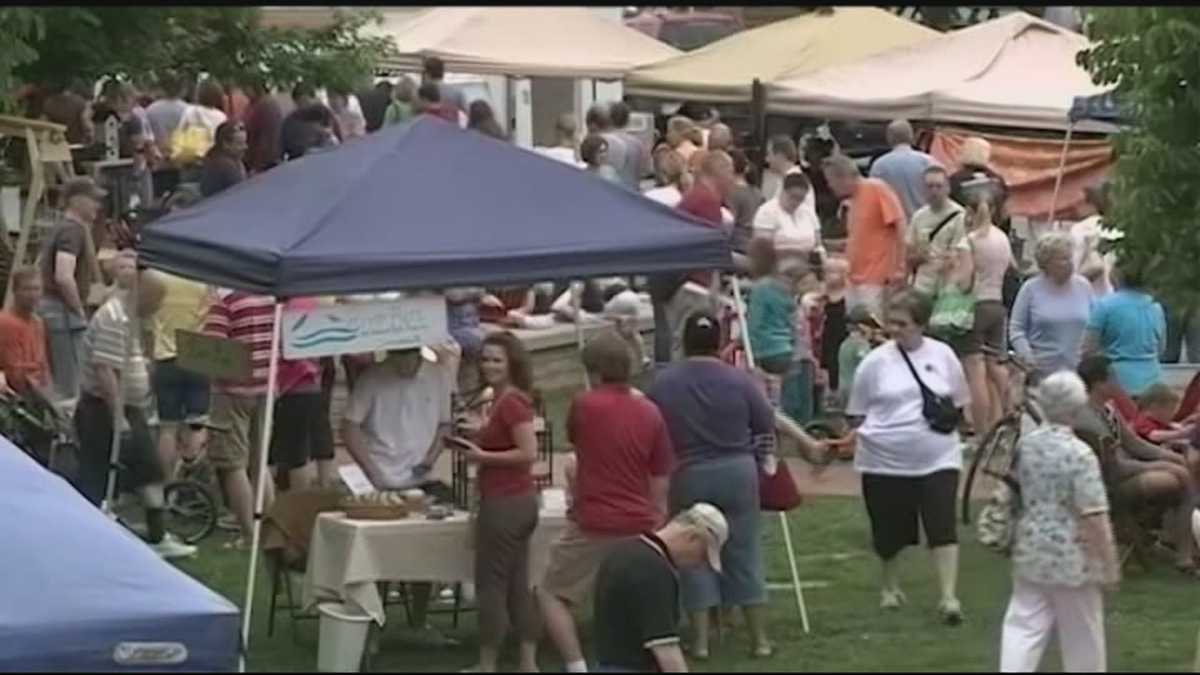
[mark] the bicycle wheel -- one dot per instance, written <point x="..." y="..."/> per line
<point x="190" y="512"/>
<point x="994" y="458"/>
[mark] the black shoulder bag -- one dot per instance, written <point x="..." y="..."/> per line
<point x="940" y="412"/>
<point x="938" y="228"/>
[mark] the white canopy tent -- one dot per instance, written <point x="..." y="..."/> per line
<point x="573" y="42"/>
<point x="509" y="45"/>
<point x="723" y="71"/>
<point x="1011" y="71"/>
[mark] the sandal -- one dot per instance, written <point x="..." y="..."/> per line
<point x="237" y="544"/>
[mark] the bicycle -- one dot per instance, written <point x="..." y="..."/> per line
<point x="994" y="456"/>
<point x="189" y="508"/>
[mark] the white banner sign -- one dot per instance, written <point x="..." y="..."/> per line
<point x="360" y="328"/>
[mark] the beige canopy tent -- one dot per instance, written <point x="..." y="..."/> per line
<point x="572" y="42"/>
<point x="1014" y="71"/>
<point x="723" y="71"/>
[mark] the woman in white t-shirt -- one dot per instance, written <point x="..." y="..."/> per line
<point x="909" y="471"/>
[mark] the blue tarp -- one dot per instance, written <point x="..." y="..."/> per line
<point x="424" y="205"/>
<point x="80" y="593"/>
<point x="1100" y="107"/>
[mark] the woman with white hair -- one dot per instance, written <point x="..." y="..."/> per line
<point x="1063" y="551"/>
<point x="1051" y="310"/>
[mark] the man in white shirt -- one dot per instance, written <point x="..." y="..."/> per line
<point x="395" y="424"/>
<point x="398" y="416"/>
<point x="796" y="230"/>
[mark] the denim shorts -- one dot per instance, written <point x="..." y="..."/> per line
<point x="181" y="394"/>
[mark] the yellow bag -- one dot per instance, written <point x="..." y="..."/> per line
<point x="192" y="139"/>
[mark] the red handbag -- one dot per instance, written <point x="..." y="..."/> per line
<point x="778" y="492"/>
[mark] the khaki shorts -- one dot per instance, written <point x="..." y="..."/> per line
<point x="574" y="561"/>
<point x="239" y="420"/>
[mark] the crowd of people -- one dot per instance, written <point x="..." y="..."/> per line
<point x="904" y="332"/>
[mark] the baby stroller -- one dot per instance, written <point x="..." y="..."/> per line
<point x="37" y="427"/>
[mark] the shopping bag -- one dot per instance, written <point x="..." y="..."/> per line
<point x="953" y="312"/>
<point x="778" y="491"/>
<point x="192" y="139"/>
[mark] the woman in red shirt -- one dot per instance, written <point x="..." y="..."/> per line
<point x="505" y="448"/>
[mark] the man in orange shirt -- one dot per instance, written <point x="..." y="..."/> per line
<point x="875" y="226"/>
<point x="23" y="366"/>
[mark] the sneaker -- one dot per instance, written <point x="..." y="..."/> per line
<point x="892" y="599"/>
<point x="170" y="547"/>
<point x="227" y="522"/>
<point x="951" y="613"/>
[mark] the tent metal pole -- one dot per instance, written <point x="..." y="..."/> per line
<point x="260" y="484"/>
<point x="783" y="521"/>
<point x="1062" y="164"/>
<point x="577" y="305"/>
<point x="758" y="119"/>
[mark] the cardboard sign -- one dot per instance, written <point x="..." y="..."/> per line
<point x="362" y="328"/>
<point x="212" y="356"/>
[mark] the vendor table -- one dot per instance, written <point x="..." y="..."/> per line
<point x="347" y="558"/>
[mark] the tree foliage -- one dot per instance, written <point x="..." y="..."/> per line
<point x="1152" y="57"/>
<point x="19" y="26"/>
<point x="229" y="43"/>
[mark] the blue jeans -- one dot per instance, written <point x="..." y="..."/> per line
<point x="1183" y="326"/>
<point x="731" y="484"/>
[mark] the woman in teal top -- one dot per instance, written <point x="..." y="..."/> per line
<point x="1129" y="327"/>
<point x="770" y="316"/>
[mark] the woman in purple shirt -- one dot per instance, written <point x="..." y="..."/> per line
<point x="721" y="426"/>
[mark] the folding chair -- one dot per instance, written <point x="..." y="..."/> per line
<point x="287" y="531"/>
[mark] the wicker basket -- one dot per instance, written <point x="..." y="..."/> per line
<point x="375" y="511"/>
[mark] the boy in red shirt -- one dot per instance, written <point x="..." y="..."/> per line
<point x="1154" y="422"/>
<point x="23" y="365"/>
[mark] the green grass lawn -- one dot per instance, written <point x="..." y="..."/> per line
<point x="1151" y="622"/>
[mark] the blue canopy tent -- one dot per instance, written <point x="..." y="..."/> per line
<point x="422" y="205"/>
<point x="1099" y="108"/>
<point x="425" y="205"/>
<point x="80" y="593"/>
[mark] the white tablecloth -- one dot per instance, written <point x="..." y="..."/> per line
<point x="347" y="558"/>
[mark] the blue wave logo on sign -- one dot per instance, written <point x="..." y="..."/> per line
<point x="338" y="331"/>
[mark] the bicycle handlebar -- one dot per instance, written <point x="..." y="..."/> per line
<point x="1010" y="357"/>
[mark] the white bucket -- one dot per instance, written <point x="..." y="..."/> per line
<point x="343" y="636"/>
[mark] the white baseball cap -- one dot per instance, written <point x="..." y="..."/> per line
<point x="715" y="528"/>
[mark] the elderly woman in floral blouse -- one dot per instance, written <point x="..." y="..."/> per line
<point x="1063" y="551"/>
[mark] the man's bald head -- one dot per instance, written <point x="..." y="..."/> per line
<point x="716" y="167"/>
<point x="899" y="132"/>
<point x="842" y="174"/>
<point x="720" y="137"/>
